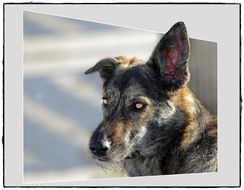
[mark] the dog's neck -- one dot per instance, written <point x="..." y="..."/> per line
<point x="197" y="117"/>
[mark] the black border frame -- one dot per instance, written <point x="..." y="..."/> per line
<point x="123" y="3"/>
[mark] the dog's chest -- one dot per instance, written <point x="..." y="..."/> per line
<point x="143" y="166"/>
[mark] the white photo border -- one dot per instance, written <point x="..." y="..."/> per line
<point x="217" y="22"/>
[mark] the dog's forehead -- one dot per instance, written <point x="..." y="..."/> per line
<point x="133" y="80"/>
<point x="126" y="62"/>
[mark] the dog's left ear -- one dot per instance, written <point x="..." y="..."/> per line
<point x="106" y="68"/>
<point x="169" y="58"/>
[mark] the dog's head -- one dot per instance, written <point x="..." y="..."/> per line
<point x="137" y="107"/>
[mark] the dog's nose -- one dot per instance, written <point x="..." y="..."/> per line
<point x="99" y="148"/>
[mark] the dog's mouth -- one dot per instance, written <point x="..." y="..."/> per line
<point x="101" y="158"/>
<point x="133" y="155"/>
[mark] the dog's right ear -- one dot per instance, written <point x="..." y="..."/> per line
<point x="106" y="68"/>
<point x="170" y="57"/>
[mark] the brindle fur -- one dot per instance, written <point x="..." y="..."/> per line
<point x="173" y="133"/>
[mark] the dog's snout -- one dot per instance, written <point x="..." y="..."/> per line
<point x="99" y="147"/>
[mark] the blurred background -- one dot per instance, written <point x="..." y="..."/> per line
<point x="62" y="105"/>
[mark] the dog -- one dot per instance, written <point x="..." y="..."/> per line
<point x="153" y="124"/>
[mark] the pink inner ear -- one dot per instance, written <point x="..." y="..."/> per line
<point x="170" y="61"/>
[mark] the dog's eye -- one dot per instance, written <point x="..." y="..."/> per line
<point x="105" y="101"/>
<point x="139" y="105"/>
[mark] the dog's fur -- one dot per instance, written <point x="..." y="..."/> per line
<point x="153" y="124"/>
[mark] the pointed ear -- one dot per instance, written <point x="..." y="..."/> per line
<point x="106" y="68"/>
<point x="169" y="58"/>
